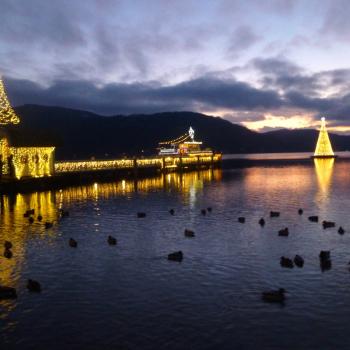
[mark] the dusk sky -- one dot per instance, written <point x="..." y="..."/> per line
<point x="265" y="64"/>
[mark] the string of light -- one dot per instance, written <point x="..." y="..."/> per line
<point x="179" y="139"/>
<point x="7" y="114"/>
<point x="323" y="146"/>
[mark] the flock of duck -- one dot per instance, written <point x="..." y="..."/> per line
<point x="7" y="292"/>
<point x="274" y="296"/>
<point x="278" y="296"/>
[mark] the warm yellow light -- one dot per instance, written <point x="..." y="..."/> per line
<point x="170" y="162"/>
<point x="323" y="146"/>
<point x="7" y="114"/>
<point x="324" y="171"/>
<point x="279" y="121"/>
<point x="32" y="161"/>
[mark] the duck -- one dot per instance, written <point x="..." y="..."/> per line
<point x="204" y="212"/>
<point x="325" y="264"/>
<point x="300" y="211"/>
<point x="176" y="256"/>
<point x="33" y="286"/>
<point x="172" y="211"/>
<point x="274" y="296"/>
<point x="341" y="230"/>
<point x="48" y="224"/>
<point x="284" y="232"/>
<point x="325" y="260"/>
<point x="39" y="217"/>
<point x="328" y="224"/>
<point x="7" y="292"/>
<point x="8" y="253"/>
<point x="313" y="218"/>
<point x="274" y="214"/>
<point x="8" y="245"/>
<point x="325" y="255"/>
<point x="29" y="213"/>
<point x="209" y="209"/>
<point x="286" y="262"/>
<point x="188" y="233"/>
<point x="298" y="261"/>
<point x="111" y="240"/>
<point x="262" y="222"/>
<point x="241" y="219"/>
<point x="72" y="243"/>
<point x="141" y="214"/>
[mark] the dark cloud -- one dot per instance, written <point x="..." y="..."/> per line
<point x="284" y="75"/>
<point x="112" y="57"/>
<point x="287" y="90"/>
<point x="276" y="66"/>
<point x="201" y="93"/>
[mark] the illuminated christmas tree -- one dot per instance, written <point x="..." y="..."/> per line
<point x="323" y="147"/>
<point x="7" y="114"/>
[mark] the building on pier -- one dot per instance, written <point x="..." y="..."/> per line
<point x="20" y="158"/>
<point x="184" y="145"/>
<point x="24" y="158"/>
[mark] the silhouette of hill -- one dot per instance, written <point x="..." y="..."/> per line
<point x="80" y="134"/>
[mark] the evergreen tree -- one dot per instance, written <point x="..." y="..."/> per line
<point x="323" y="147"/>
<point x="7" y="114"/>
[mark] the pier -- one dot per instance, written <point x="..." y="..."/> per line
<point x="33" y="166"/>
<point x="158" y="163"/>
<point x="67" y="173"/>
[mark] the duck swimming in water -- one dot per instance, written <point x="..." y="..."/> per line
<point x="176" y="256"/>
<point x="73" y="243"/>
<point x="33" y="286"/>
<point x="274" y="296"/>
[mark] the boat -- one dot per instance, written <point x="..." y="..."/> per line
<point x="184" y="145"/>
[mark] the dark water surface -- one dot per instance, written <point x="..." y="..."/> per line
<point x="130" y="296"/>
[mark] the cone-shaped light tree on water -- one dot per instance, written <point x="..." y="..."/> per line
<point x="7" y="114"/>
<point x="323" y="146"/>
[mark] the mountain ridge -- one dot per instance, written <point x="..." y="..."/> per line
<point x="80" y="134"/>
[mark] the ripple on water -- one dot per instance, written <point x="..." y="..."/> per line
<point x="130" y="296"/>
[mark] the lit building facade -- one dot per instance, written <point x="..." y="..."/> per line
<point x="18" y="162"/>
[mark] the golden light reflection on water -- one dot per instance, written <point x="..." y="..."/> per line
<point x="186" y="183"/>
<point x="16" y="228"/>
<point x="272" y="183"/>
<point x="324" y="171"/>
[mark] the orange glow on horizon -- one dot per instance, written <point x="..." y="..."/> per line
<point x="277" y="121"/>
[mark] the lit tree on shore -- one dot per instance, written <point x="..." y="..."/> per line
<point x="323" y="147"/>
<point x="7" y="114"/>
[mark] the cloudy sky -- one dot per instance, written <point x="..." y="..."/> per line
<point x="265" y="64"/>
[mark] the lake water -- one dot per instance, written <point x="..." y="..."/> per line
<point x="130" y="296"/>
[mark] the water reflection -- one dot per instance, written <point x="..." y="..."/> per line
<point x="187" y="183"/>
<point x="16" y="228"/>
<point x="324" y="172"/>
<point x="266" y="185"/>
